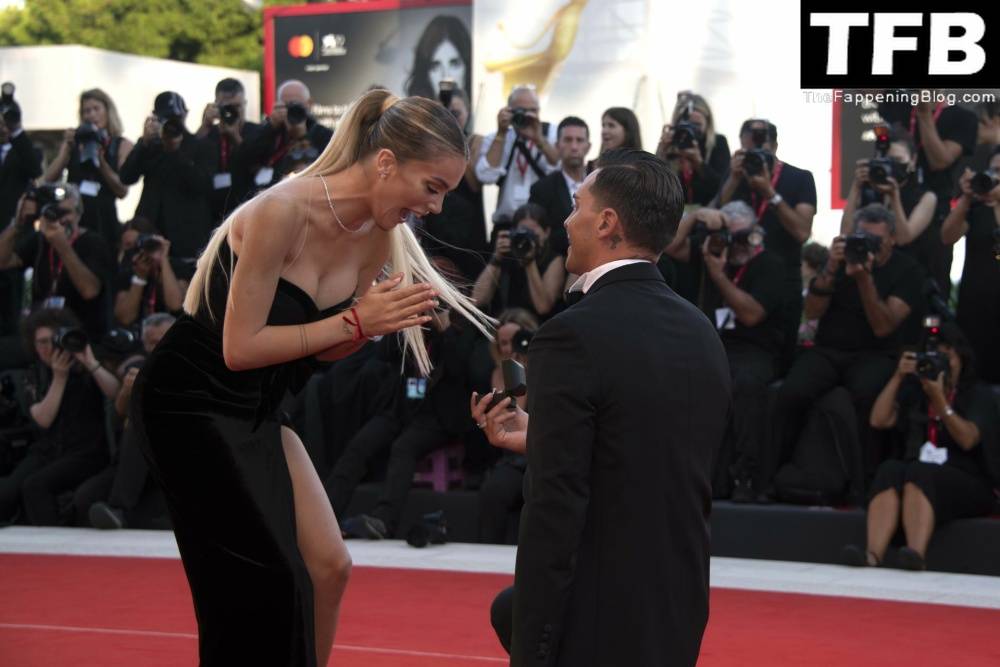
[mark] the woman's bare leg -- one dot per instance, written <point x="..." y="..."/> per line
<point x="918" y="518"/>
<point x="883" y="520"/>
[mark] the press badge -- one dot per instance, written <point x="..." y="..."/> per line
<point x="89" y="188"/>
<point x="725" y="318"/>
<point x="264" y="176"/>
<point x="522" y="192"/>
<point x="56" y="302"/>
<point x="416" y="388"/>
<point x="930" y="453"/>
<point x="222" y="181"/>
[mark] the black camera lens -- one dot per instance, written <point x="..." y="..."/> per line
<point x="296" y="113"/>
<point x="120" y="341"/>
<point x="686" y="135"/>
<point x="754" y="161"/>
<point x="70" y="339"/>
<point x="859" y="245"/>
<point x="931" y="364"/>
<point x="522" y="242"/>
<point x="984" y="182"/>
<point x="148" y="243"/>
<point x="173" y="126"/>
<point x="519" y="118"/>
<point x="229" y="114"/>
<point x="879" y="170"/>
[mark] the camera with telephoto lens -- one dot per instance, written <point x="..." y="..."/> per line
<point x="984" y="182"/>
<point x="9" y="109"/>
<point x="229" y="114"/>
<point x="90" y="138"/>
<point x="758" y="156"/>
<point x="446" y="91"/>
<point x="522" y="242"/>
<point x="859" y="245"/>
<point x="296" y="113"/>
<point x="71" y="339"/>
<point x="519" y="117"/>
<point x="148" y="243"/>
<point x="48" y="197"/>
<point x="718" y="239"/>
<point x="931" y="362"/>
<point x="686" y="134"/>
<point x="515" y="384"/>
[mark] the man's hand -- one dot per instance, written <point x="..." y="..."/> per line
<point x="716" y="266"/>
<point x="859" y="271"/>
<point x="55" y="234"/>
<point x="736" y="164"/>
<point x="507" y="429"/>
<point x="210" y="116"/>
<point x="761" y="183"/>
<point x="150" y="130"/>
<point x="278" y="117"/>
<point x="712" y="217"/>
<point x="836" y="255"/>
<point x="504" y="117"/>
<point x="532" y="129"/>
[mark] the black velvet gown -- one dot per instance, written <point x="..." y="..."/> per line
<point x="212" y="438"/>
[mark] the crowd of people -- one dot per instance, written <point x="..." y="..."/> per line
<point x="855" y="383"/>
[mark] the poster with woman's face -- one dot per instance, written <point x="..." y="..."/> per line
<point x="340" y="55"/>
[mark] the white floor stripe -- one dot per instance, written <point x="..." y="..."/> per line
<point x="188" y="635"/>
<point x="778" y="576"/>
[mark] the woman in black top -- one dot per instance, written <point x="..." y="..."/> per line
<point x="700" y="165"/>
<point x="93" y="154"/>
<point x="947" y="429"/>
<point x="977" y="217"/>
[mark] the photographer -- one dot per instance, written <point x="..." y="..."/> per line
<point x="518" y="154"/>
<point x="619" y="129"/>
<point x="988" y="133"/>
<point x="891" y="180"/>
<point x="225" y="129"/>
<point x="149" y="285"/>
<point x="743" y="297"/>
<point x="501" y="493"/>
<point x="862" y="297"/>
<point x="948" y="423"/>
<point x="290" y="137"/>
<point x="458" y="232"/>
<point x="690" y="145"/>
<point x="176" y="169"/>
<point x="977" y="217"/>
<point x="68" y="407"/>
<point x="93" y="154"/>
<point x="111" y="499"/>
<point x="554" y="193"/>
<point x="814" y="258"/>
<point x="784" y="199"/>
<point x="943" y="134"/>
<point x="70" y="264"/>
<point x="525" y="271"/>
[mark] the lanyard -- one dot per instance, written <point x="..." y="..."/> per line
<point x="281" y="147"/>
<point x="932" y="422"/>
<point x="151" y="301"/>
<point x="913" y="121"/>
<point x="760" y="208"/>
<point x="687" y="175"/>
<point x="743" y="269"/>
<point x="56" y="263"/>
<point x="223" y="153"/>
<point x="522" y="162"/>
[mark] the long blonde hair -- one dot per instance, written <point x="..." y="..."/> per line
<point x="699" y="104"/>
<point x="413" y="128"/>
<point x="114" y="120"/>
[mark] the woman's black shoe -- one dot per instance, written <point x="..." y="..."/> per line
<point x="853" y="556"/>
<point x="909" y="559"/>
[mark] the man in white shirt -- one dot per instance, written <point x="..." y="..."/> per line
<point x="520" y="152"/>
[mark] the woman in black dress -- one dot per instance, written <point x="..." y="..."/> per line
<point x="977" y="217"/>
<point x="947" y="421"/>
<point x="260" y="544"/>
<point x="92" y="155"/>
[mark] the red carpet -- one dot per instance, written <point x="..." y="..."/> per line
<point x="118" y="612"/>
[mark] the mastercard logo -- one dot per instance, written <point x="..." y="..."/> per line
<point x="301" y="46"/>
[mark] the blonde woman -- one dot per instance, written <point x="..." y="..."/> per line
<point x="92" y="155"/>
<point x="699" y="153"/>
<point x="288" y="277"/>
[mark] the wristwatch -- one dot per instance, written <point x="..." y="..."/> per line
<point x="775" y="200"/>
<point x="948" y="412"/>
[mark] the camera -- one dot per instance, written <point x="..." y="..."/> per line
<point x="90" y="138"/>
<point x="296" y="113"/>
<point x="120" y="341"/>
<point x="718" y="239"/>
<point x="171" y="116"/>
<point x="686" y="135"/>
<point x="148" y="243"/>
<point x="519" y="118"/>
<point x="755" y="158"/>
<point x="931" y="363"/>
<point x="984" y="182"/>
<point x="48" y="198"/>
<point x="522" y="242"/>
<point x="446" y="91"/>
<point x="859" y="245"/>
<point x="515" y="384"/>
<point x="71" y="339"/>
<point x="229" y="114"/>
<point x="9" y="109"/>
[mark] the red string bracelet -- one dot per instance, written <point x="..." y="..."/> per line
<point x="359" y="333"/>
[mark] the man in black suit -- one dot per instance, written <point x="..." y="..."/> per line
<point x="555" y="192"/>
<point x="613" y="558"/>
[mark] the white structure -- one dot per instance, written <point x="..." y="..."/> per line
<point x="49" y="81"/>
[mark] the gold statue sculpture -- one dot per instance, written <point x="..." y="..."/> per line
<point x="537" y="69"/>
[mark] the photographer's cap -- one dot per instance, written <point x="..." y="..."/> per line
<point x="167" y="103"/>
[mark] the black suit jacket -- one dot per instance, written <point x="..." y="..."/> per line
<point x="629" y="397"/>
<point x="239" y="164"/>
<point x="552" y="194"/>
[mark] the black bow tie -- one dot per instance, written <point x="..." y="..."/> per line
<point x="573" y="297"/>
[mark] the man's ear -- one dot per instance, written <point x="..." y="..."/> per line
<point x="609" y="225"/>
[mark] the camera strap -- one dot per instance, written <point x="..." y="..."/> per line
<point x="759" y="208"/>
<point x="56" y="263"/>
<point x="913" y="121"/>
<point x="743" y="269"/>
<point x="934" y="420"/>
<point x="223" y="153"/>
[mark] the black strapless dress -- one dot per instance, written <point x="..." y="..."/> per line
<point x="212" y="438"/>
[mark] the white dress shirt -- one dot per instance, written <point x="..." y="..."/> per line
<point x="517" y="185"/>
<point x="587" y="280"/>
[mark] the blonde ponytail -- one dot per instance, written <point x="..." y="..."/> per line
<point x="414" y="128"/>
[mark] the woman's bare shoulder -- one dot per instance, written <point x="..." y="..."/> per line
<point x="275" y="215"/>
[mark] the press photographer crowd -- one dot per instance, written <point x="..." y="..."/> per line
<point x="862" y="377"/>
